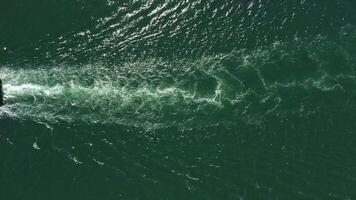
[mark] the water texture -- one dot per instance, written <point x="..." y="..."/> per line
<point x="132" y="99"/>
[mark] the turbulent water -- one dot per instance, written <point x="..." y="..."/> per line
<point x="133" y="99"/>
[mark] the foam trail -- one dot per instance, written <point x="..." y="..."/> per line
<point x="212" y="89"/>
<point x="40" y="94"/>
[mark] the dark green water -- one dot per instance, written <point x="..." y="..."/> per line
<point x="178" y="99"/>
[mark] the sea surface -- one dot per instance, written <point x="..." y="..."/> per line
<point x="178" y="99"/>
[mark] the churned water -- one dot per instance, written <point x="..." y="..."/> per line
<point x="133" y="99"/>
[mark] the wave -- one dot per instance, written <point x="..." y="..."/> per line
<point x="109" y="31"/>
